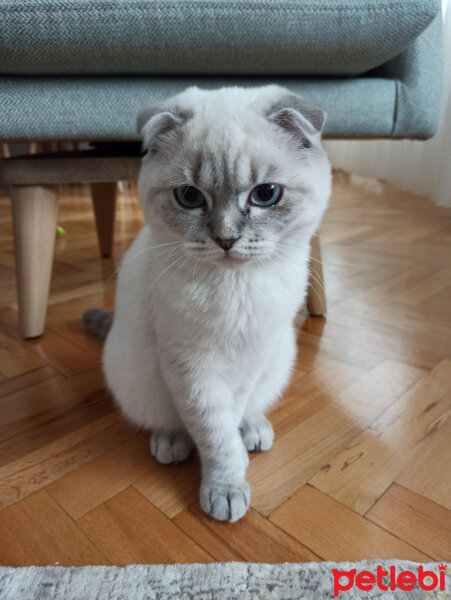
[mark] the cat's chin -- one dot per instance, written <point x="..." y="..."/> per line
<point x="228" y="261"/>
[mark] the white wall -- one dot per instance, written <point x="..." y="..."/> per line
<point x="424" y="167"/>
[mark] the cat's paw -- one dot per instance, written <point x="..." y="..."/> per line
<point x="257" y="435"/>
<point x="172" y="447"/>
<point x="225" y="502"/>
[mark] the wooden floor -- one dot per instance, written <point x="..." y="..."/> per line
<point x="361" y="463"/>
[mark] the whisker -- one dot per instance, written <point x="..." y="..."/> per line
<point x="317" y="281"/>
<point x="181" y="265"/>
<point x="319" y="298"/>
<point x="167" y="268"/>
<point x="131" y="259"/>
<point x="316" y="260"/>
<point x="166" y="244"/>
<point x="196" y="264"/>
<point x="317" y="295"/>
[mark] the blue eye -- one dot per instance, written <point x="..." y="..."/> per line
<point x="189" y="197"/>
<point x="265" y="195"/>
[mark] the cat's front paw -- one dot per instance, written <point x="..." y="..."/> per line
<point x="170" y="448"/>
<point x="225" y="502"/>
<point x="257" y="435"/>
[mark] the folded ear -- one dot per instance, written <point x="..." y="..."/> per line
<point x="301" y="118"/>
<point x="156" y="122"/>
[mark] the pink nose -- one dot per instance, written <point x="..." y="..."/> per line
<point x="226" y="244"/>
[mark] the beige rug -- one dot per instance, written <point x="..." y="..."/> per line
<point x="225" y="581"/>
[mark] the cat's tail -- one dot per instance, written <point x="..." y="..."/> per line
<point x="98" y="322"/>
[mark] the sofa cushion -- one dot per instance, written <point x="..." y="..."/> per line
<point x="106" y="108"/>
<point x="223" y="37"/>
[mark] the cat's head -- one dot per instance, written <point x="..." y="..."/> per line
<point x="236" y="174"/>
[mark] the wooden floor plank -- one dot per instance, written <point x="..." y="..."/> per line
<point x="39" y="415"/>
<point x="51" y="536"/>
<point x="65" y="357"/>
<point x="172" y="488"/>
<point x="310" y="391"/>
<point x="128" y="529"/>
<point x="416" y="519"/>
<point x="17" y="359"/>
<point x="439" y="306"/>
<point x="359" y="474"/>
<point x="336" y="343"/>
<point x="393" y="287"/>
<point x="51" y="349"/>
<point x="95" y="482"/>
<point x="276" y="475"/>
<point x="27" y="379"/>
<point x="252" y="539"/>
<point x="48" y="463"/>
<point x="428" y="473"/>
<point x="422" y="290"/>
<point x="399" y="334"/>
<point x="373" y="393"/>
<point x="337" y="533"/>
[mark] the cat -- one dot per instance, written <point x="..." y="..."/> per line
<point x="233" y="184"/>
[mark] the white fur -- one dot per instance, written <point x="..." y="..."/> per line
<point x="200" y="348"/>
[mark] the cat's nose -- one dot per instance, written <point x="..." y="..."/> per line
<point x="226" y="244"/>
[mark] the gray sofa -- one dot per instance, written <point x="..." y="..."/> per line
<point x="82" y="69"/>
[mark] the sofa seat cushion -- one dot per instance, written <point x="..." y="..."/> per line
<point x="223" y="37"/>
<point x="105" y="108"/>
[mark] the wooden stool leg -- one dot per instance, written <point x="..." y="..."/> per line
<point x="35" y="211"/>
<point x="4" y="150"/>
<point x="316" y="297"/>
<point x="104" y="201"/>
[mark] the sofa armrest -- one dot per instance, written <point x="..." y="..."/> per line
<point x="418" y="75"/>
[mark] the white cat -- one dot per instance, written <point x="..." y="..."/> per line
<point x="233" y="184"/>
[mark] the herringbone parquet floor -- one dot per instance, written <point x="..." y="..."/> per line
<point x="361" y="463"/>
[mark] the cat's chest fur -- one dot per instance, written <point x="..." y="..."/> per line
<point x="240" y="304"/>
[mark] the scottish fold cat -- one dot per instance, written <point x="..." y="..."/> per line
<point x="233" y="184"/>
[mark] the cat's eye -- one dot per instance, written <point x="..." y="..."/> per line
<point x="189" y="197"/>
<point x="265" y="195"/>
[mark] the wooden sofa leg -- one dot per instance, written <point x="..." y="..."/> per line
<point x="35" y="211"/>
<point x="104" y="201"/>
<point x="316" y="297"/>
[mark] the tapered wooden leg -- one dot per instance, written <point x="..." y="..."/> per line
<point x="316" y="297"/>
<point x="104" y="201"/>
<point x="35" y="211"/>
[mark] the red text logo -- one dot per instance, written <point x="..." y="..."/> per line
<point x="389" y="580"/>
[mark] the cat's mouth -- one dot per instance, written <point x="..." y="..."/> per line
<point x="229" y="260"/>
